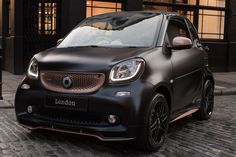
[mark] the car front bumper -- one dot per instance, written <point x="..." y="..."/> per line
<point x="91" y="119"/>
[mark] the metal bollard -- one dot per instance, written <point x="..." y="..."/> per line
<point x="1" y="78"/>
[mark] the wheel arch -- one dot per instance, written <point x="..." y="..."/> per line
<point x="209" y="76"/>
<point x="163" y="89"/>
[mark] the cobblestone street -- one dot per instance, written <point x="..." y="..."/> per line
<point x="186" y="137"/>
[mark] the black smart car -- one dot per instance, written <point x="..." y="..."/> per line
<point x="119" y="76"/>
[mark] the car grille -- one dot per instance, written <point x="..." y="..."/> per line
<point x="71" y="117"/>
<point x="81" y="82"/>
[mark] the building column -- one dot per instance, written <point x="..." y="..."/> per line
<point x="72" y="12"/>
<point x="4" y="21"/>
<point x="13" y="43"/>
<point x="231" y="33"/>
<point x="18" y="35"/>
<point x="1" y="26"/>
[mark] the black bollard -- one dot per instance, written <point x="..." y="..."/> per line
<point x="1" y="78"/>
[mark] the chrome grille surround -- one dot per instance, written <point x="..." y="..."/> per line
<point x="81" y="82"/>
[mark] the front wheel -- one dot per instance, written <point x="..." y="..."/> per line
<point x="156" y="123"/>
<point x="207" y="105"/>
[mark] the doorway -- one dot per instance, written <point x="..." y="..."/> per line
<point x="40" y="26"/>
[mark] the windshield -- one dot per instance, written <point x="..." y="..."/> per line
<point x="115" y="30"/>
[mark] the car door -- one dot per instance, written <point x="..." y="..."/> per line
<point x="187" y="67"/>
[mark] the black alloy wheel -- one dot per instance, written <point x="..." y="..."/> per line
<point x="207" y="106"/>
<point x="156" y="124"/>
<point x="209" y="99"/>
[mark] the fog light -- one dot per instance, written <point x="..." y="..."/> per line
<point x="123" y="94"/>
<point x="112" y="119"/>
<point x="25" y="86"/>
<point x="29" y="109"/>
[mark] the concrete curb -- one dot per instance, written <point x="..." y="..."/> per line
<point x="5" y="104"/>
<point x="227" y="91"/>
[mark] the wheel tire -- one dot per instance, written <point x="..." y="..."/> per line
<point x="207" y="105"/>
<point x="155" y="124"/>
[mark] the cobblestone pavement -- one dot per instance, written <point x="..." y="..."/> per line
<point x="9" y="86"/>
<point x="187" y="137"/>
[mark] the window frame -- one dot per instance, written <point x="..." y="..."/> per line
<point x="183" y="19"/>
<point x="217" y="34"/>
<point x="196" y="39"/>
<point x="42" y="16"/>
<point x="196" y="8"/>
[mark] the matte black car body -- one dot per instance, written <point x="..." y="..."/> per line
<point x="176" y="73"/>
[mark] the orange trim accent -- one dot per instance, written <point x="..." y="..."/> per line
<point x="185" y="114"/>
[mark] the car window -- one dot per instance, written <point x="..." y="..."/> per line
<point x="193" y="31"/>
<point x="177" y="28"/>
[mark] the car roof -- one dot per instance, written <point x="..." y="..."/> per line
<point x="168" y="13"/>
<point x="165" y="13"/>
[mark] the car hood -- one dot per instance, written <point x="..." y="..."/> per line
<point x="85" y="59"/>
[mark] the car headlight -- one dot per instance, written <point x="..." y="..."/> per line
<point x="33" y="71"/>
<point x="126" y="70"/>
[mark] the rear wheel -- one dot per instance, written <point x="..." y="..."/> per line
<point x="207" y="105"/>
<point x="156" y="122"/>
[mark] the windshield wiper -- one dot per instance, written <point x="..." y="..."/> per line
<point x="96" y="46"/>
<point x="134" y="47"/>
<point x="91" y="46"/>
<point x="82" y="46"/>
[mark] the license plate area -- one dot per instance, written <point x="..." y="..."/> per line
<point x="79" y="104"/>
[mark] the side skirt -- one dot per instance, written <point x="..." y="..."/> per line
<point x="185" y="114"/>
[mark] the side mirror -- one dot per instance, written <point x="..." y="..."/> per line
<point x="180" y="43"/>
<point x="59" y="41"/>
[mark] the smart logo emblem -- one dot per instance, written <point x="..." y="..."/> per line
<point x="67" y="82"/>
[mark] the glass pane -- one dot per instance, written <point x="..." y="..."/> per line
<point x="188" y="14"/>
<point x="104" y="4"/>
<point x="97" y="11"/>
<point x="165" y="1"/>
<point x="155" y="7"/>
<point x="211" y="24"/>
<point x="54" y="19"/>
<point x="39" y="18"/>
<point x="89" y="3"/>
<point x="190" y="2"/>
<point x="88" y="11"/>
<point x="100" y="7"/>
<point x="119" y="5"/>
<point x="211" y="36"/>
<point x="213" y="3"/>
